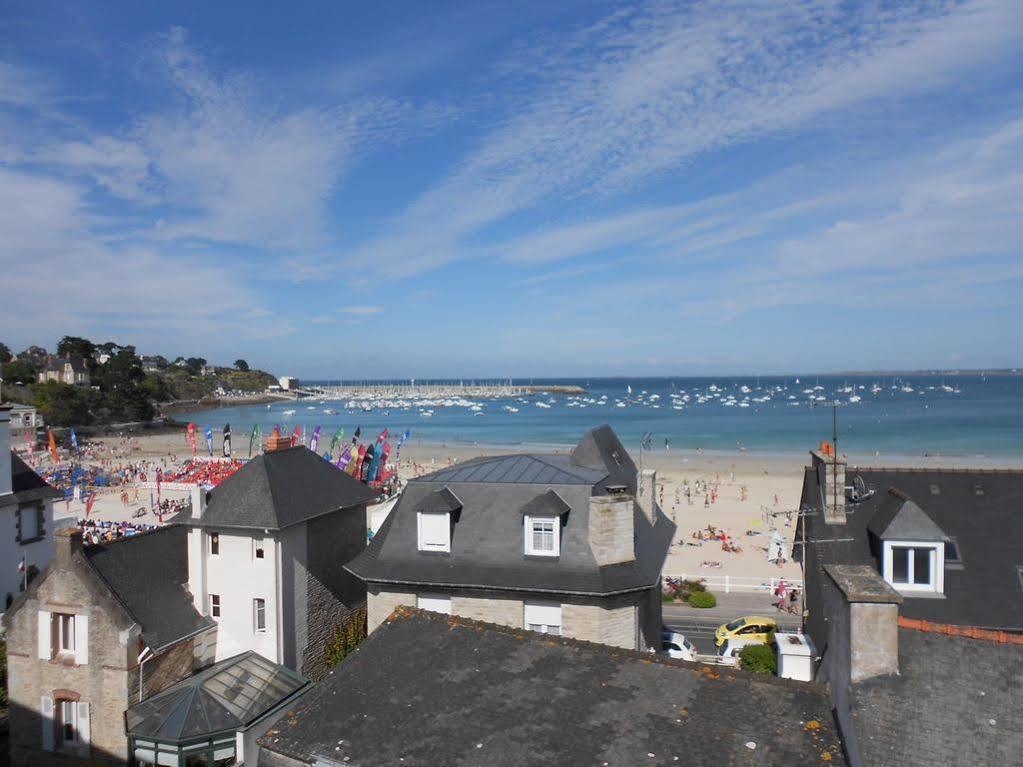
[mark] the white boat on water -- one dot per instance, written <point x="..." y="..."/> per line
<point x="289" y="412"/>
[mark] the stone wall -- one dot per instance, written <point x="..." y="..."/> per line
<point x="503" y="610"/>
<point x="381" y="603"/>
<point x="612" y="529"/>
<point x="103" y="682"/>
<point x="611" y="623"/>
<point x="332" y="593"/>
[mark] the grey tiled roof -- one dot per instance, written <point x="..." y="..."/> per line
<point x="955" y="701"/>
<point x="148" y="573"/>
<point x="226" y="696"/>
<point x="426" y="689"/>
<point x="27" y="485"/>
<point x="899" y="518"/>
<point x="280" y="489"/>
<point x="981" y="510"/>
<point x="517" y="469"/>
<point x="487" y="537"/>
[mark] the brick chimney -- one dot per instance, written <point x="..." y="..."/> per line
<point x="66" y="541"/>
<point x="866" y="626"/>
<point x="278" y="442"/>
<point x="6" y="483"/>
<point x="612" y="536"/>
<point x="646" y="488"/>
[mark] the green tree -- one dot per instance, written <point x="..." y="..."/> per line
<point x="63" y="405"/>
<point x="19" y="370"/>
<point x="194" y="365"/>
<point x="759" y="659"/>
<point x="5" y="354"/>
<point x="242" y="365"/>
<point x="75" y="345"/>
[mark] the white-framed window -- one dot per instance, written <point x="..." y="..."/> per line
<point x="215" y="605"/>
<point x="258" y="548"/>
<point x="215" y="544"/>
<point x="259" y="615"/>
<point x="434" y="604"/>
<point x="67" y="715"/>
<point x="30" y="524"/>
<point x="915" y="565"/>
<point x="543" y="536"/>
<point x="434" y="531"/>
<point x="65" y="633"/>
<point x="544" y="617"/>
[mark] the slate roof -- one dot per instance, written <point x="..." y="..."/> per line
<point x="955" y="701"/>
<point x="981" y="510"/>
<point x="427" y="689"/>
<point x="76" y="360"/>
<point x="517" y="469"/>
<point x="282" y="488"/>
<point x="487" y="540"/>
<point x="28" y="486"/>
<point x="148" y="573"/>
<point x="900" y="519"/>
<point x="225" y="697"/>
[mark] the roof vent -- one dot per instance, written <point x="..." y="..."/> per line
<point x="616" y="489"/>
<point x="935" y="488"/>
<point x="978" y="488"/>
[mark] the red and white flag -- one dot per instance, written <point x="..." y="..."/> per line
<point x="21" y="565"/>
<point x="88" y="503"/>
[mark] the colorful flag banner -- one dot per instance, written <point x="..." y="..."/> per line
<point x="296" y="435"/>
<point x="227" y="440"/>
<point x="88" y="503"/>
<point x="382" y="436"/>
<point x="345" y="458"/>
<point x="74" y="440"/>
<point x="53" y="447"/>
<point x="159" y="481"/>
<point x="338" y="436"/>
<point x="315" y="441"/>
<point x="209" y="440"/>
<point x="190" y="432"/>
<point x="326" y="456"/>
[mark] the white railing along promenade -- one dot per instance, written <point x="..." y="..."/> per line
<point x="730" y="583"/>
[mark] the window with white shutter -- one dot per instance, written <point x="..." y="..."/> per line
<point x="434" y="532"/>
<point x="46" y="715"/>
<point x="45" y="639"/>
<point x="543" y="617"/>
<point x="84" y="726"/>
<point x="434" y="604"/>
<point x="81" y="639"/>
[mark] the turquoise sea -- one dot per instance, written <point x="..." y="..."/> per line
<point x="953" y="415"/>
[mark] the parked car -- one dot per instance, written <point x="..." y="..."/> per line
<point x="675" y="645"/>
<point x="753" y="627"/>
<point x="728" y="653"/>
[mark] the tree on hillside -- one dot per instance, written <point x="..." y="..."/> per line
<point x="75" y="345"/>
<point x="242" y="365"/>
<point x="5" y="354"/>
<point x="33" y="354"/>
<point x="63" y="405"/>
<point x="15" y="371"/>
<point x="194" y="365"/>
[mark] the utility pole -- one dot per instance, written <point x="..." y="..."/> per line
<point x="834" y="447"/>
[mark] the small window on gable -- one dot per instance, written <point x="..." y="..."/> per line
<point x="434" y="531"/>
<point x="952" y="556"/>
<point x="215" y="605"/>
<point x="258" y="549"/>
<point x="215" y="544"/>
<point x="543" y="536"/>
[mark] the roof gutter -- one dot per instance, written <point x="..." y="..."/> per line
<point x="492" y="587"/>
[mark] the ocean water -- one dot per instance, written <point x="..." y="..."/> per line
<point x="959" y="415"/>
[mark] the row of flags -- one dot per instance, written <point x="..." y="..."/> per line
<point x="360" y="461"/>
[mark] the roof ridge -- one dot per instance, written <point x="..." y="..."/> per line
<point x="97" y="547"/>
<point x="403" y="612"/>
<point x="934" y="470"/>
<point x="970" y="632"/>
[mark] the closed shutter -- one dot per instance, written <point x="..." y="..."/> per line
<point x="46" y="711"/>
<point x="45" y="635"/>
<point x="81" y="639"/>
<point x="435" y="604"/>
<point x="435" y="531"/>
<point x="84" y="726"/>
<point x="542" y="617"/>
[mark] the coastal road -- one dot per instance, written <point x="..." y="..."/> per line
<point x="699" y="629"/>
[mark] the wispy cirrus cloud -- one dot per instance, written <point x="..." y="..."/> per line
<point x="646" y="91"/>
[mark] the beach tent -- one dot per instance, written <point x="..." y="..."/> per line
<point x="776" y="549"/>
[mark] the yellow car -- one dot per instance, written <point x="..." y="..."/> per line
<point x="750" y="628"/>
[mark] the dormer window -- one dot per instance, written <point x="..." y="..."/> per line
<point x="435" y="514"/>
<point x="434" y="531"/>
<point x="542" y="536"/>
<point x="915" y="565"/>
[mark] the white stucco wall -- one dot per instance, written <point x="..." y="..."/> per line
<point x="238" y="578"/>
<point x="11" y="551"/>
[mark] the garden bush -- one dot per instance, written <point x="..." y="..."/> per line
<point x="759" y="658"/>
<point x="702" y="599"/>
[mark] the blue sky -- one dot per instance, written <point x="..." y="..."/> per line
<point x="517" y="189"/>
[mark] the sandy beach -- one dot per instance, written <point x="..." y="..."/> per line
<point x="744" y="495"/>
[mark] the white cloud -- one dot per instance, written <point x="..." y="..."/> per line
<point x="645" y="92"/>
<point x="361" y="311"/>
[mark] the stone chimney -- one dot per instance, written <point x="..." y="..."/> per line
<point x="6" y="483"/>
<point x="66" y="541"/>
<point x="646" y="494"/>
<point x="611" y="528"/>
<point x="828" y="464"/>
<point x="867" y="625"/>
<point x="199" y="494"/>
